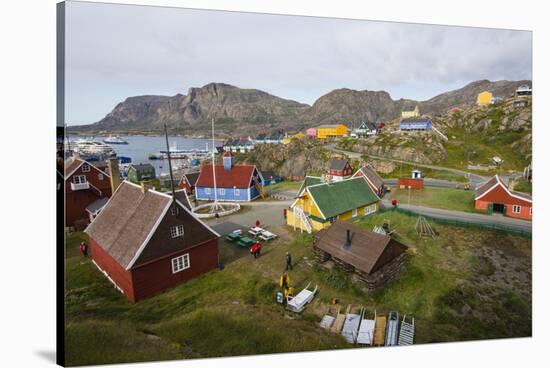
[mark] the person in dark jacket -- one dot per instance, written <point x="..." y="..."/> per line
<point x="84" y="249"/>
<point x="288" y="261"/>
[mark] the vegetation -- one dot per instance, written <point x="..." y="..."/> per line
<point x="451" y="293"/>
<point x="285" y="185"/>
<point x="444" y="198"/>
<point x="524" y="186"/>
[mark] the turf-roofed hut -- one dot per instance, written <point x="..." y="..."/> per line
<point x="145" y="241"/>
<point x="376" y="259"/>
<point x="319" y="204"/>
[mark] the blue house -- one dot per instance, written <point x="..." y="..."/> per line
<point x="269" y="178"/>
<point x="234" y="182"/>
<point x="412" y="124"/>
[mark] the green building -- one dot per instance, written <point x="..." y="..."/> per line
<point x="141" y="172"/>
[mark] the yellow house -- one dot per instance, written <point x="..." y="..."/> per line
<point x="298" y="136"/>
<point x="319" y="204"/>
<point x="332" y="130"/>
<point x="410" y="112"/>
<point x="484" y="98"/>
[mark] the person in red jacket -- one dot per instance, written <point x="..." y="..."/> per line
<point x="255" y="249"/>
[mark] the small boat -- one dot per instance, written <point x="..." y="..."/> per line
<point x="392" y="329"/>
<point x="114" y="140"/>
<point x="365" y="335"/>
<point x="351" y="326"/>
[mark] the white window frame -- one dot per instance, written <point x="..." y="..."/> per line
<point x="176" y="231"/>
<point x="221" y="191"/>
<point x="354" y="212"/>
<point x="181" y="263"/>
<point x="516" y="206"/>
<point x="174" y="210"/>
<point x="237" y="192"/>
<point x="79" y="179"/>
<point x="370" y="209"/>
<point x="207" y="191"/>
<point x="86" y="168"/>
<point x="100" y="176"/>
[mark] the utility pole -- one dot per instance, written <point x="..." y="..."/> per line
<point x="170" y="168"/>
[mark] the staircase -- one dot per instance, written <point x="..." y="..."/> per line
<point x="259" y="187"/>
<point x="299" y="213"/>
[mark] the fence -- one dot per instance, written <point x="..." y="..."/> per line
<point x="465" y="223"/>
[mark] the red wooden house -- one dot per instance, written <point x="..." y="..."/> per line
<point x="340" y="170"/>
<point x="145" y="241"/>
<point x="85" y="185"/>
<point x="188" y="181"/>
<point x="495" y="196"/>
<point x="376" y="183"/>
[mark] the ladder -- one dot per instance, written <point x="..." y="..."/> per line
<point x="298" y="212"/>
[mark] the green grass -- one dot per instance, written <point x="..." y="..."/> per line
<point x="404" y="170"/>
<point x="285" y="185"/>
<point x="524" y="186"/>
<point x="232" y="311"/>
<point x="444" y="198"/>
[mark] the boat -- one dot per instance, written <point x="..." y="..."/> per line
<point x="114" y="140"/>
<point x="351" y="326"/>
<point x="90" y="150"/>
<point x="380" y="330"/>
<point x="392" y="330"/>
<point x="365" y="335"/>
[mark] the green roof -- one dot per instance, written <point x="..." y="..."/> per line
<point x="309" y="180"/>
<point x="339" y="197"/>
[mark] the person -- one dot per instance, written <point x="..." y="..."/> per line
<point x="84" y="249"/>
<point x="288" y="261"/>
<point x="284" y="282"/>
<point x="255" y="249"/>
<point x="257" y="223"/>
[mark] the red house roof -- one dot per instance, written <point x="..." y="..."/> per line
<point x="494" y="182"/>
<point x="239" y="176"/>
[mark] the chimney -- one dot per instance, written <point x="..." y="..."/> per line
<point x="348" y="239"/>
<point x="114" y="173"/>
<point x="145" y="186"/>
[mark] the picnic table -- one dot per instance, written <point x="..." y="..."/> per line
<point x="232" y="237"/>
<point x="255" y="230"/>
<point x="246" y="241"/>
<point x="267" y="235"/>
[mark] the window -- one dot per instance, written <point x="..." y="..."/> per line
<point x="85" y="168"/>
<point x="174" y="210"/>
<point x="516" y="209"/>
<point x="99" y="176"/>
<point x="370" y="209"/>
<point x="354" y="213"/>
<point x="237" y="192"/>
<point x="221" y="191"/>
<point x="180" y="263"/>
<point x="207" y="191"/>
<point x="531" y="211"/>
<point x="176" y="231"/>
<point x="79" y="179"/>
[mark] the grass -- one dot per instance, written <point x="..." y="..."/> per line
<point x="444" y="198"/>
<point x="285" y="185"/>
<point x="404" y="170"/>
<point x="232" y="311"/>
<point x="524" y="186"/>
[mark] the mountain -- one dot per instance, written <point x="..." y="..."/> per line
<point x="239" y="111"/>
<point x="233" y="108"/>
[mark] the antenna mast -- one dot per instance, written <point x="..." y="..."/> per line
<point x="170" y="167"/>
<point x="214" y="168"/>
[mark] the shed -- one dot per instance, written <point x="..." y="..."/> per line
<point x="145" y="241"/>
<point x="188" y="181"/>
<point x="373" y="179"/>
<point x="141" y="172"/>
<point x="376" y="258"/>
<point x="269" y="178"/>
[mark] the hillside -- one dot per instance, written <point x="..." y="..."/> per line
<point x="235" y="109"/>
<point x="475" y="135"/>
<point x="241" y="111"/>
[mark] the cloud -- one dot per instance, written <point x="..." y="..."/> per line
<point x="116" y="51"/>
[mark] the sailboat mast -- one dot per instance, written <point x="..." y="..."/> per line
<point x="214" y="167"/>
<point x="170" y="166"/>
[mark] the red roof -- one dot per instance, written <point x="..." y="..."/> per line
<point x="228" y="154"/>
<point x="239" y="176"/>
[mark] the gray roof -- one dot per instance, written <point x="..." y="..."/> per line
<point x="338" y="164"/>
<point x="97" y="205"/>
<point x="367" y="125"/>
<point x="372" y="175"/>
<point x="142" y="167"/>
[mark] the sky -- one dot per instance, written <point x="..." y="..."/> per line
<point x="116" y="51"/>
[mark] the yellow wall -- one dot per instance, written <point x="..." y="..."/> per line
<point x="339" y="130"/>
<point x="411" y="114"/>
<point x="484" y="98"/>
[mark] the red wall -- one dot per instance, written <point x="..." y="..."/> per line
<point x="77" y="201"/>
<point x="152" y="278"/>
<point x="120" y="276"/>
<point x="500" y="196"/>
<point x="413" y="183"/>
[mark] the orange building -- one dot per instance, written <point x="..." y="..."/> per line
<point x="495" y="196"/>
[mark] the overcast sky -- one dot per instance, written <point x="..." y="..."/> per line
<point x="117" y="51"/>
